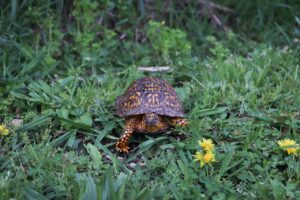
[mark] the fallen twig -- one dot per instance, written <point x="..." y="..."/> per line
<point x="154" y="69"/>
<point x="215" y="5"/>
<point x="212" y="8"/>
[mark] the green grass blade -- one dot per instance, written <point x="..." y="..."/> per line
<point x="62" y="139"/>
<point x="33" y="194"/>
<point x="90" y="192"/>
<point x="145" y="146"/>
<point x="211" y="111"/>
<point x="35" y="123"/>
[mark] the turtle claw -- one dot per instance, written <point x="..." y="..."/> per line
<point x="183" y="122"/>
<point x="178" y="121"/>
<point x="122" y="147"/>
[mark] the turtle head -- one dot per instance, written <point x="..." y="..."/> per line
<point x="151" y="120"/>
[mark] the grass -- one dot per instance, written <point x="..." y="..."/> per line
<point x="63" y="67"/>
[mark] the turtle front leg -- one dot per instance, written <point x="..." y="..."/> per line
<point x="121" y="145"/>
<point x="178" y="121"/>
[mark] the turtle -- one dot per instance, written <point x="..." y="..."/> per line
<point x="150" y="105"/>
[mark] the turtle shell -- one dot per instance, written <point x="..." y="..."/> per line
<point x="149" y="95"/>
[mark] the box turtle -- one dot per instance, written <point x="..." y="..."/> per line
<point x="149" y="105"/>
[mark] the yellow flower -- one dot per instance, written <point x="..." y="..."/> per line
<point x="289" y="145"/>
<point x="199" y="157"/>
<point x="207" y="144"/>
<point x="208" y="157"/>
<point x="3" y="130"/>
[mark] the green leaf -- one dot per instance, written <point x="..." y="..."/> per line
<point x="63" y="113"/>
<point x="211" y="111"/>
<point x="76" y="124"/>
<point x="184" y="169"/>
<point x="278" y="189"/>
<point x="109" y="189"/>
<point x="33" y="194"/>
<point x="90" y="190"/>
<point x="175" y="191"/>
<point x="183" y="93"/>
<point x="225" y="163"/>
<point x="144" y="194"/>
<point x="94" y="153"/>
<point x="85" y="119"/>
<point x="107" y="128"/>
<point x="35" y="123"/>
<point x="261" y="116"/>
<point x="65" y="136"/>
<point x="86" y="187"/>
<point x="144" y="147"/>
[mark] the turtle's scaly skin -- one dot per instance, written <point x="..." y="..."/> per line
<point x="146" y="98"/>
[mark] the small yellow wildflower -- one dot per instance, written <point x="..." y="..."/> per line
<point x="289" y="145"/>
<point x="207" y="144"/>
<point x="199" y="157"/>
<point x="3" y="130"/>
<point x="209" y="157"/>
<point x="206" y="156"/>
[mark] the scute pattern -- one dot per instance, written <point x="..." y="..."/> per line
<point x="147" y="95"/>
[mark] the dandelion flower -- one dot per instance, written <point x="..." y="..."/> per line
<point x="207" y="144"/>
<point x="205" y="156"/>
<point x="209" y="157"/>
<point x="199" y="157"/>
<point x="289" y="145"/>
<point x="3" y="130"/>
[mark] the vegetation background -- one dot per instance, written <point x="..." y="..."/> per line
<point x="234" y="64"/>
